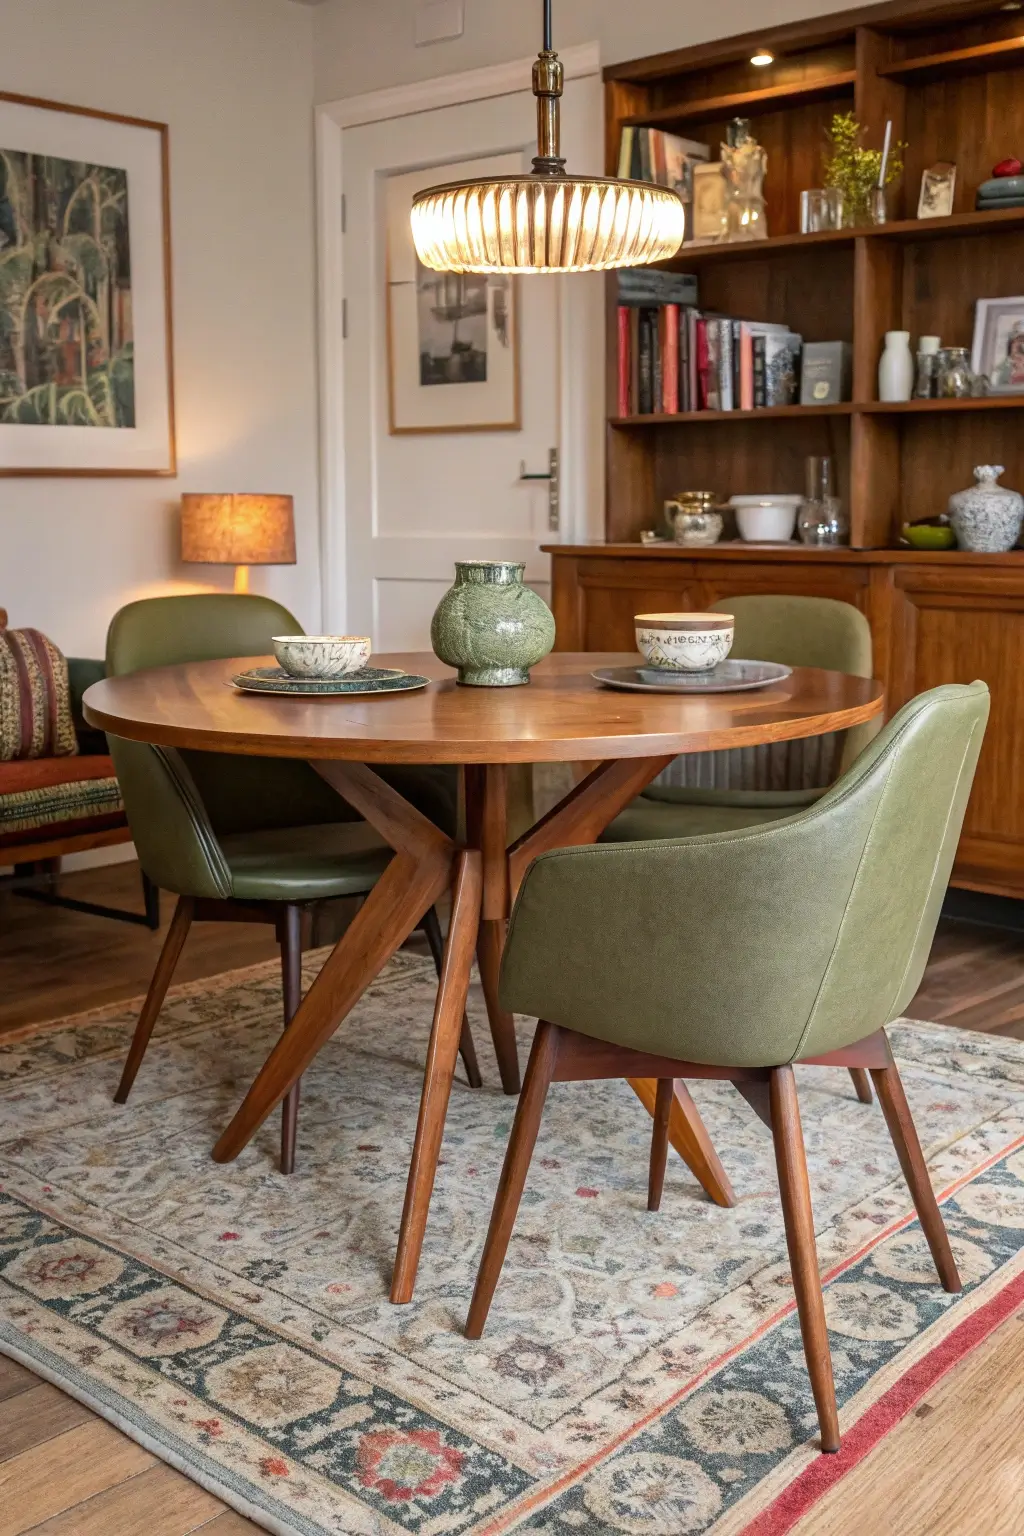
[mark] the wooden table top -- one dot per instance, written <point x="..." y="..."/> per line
<point x="562" y="715"/>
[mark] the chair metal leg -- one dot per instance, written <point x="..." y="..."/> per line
<point x="467" y="1049"/>
<point x="915" y="1170"/>
<point x="659" y="1142"/>
<point x="513" y="1174"/>
<point x="795" y="1191"/>
<point x="169" y="955"/>
<point x="290" y="934"/>
<point x="862" y="1083"/>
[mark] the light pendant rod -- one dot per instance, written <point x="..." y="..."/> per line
<point x="546" y="221"/>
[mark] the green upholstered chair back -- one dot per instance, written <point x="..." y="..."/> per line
<point x="179" y="803"/>
<point x="799" y="632"/>
<point x="761" y="946"/>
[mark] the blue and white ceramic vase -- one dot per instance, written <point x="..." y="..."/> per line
<point x="491" y="626"/>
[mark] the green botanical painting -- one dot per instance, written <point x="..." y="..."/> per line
<point x="66" y="351"/>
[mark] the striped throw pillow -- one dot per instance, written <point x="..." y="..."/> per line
<point x="35" y="700"/>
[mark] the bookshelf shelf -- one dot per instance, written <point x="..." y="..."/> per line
<point x="950" y="79"/>
<point x="940" y="407"/>
<point x="763" y="413"/>
<point x="748" y="103"/>
<point x="1001" y="54"/>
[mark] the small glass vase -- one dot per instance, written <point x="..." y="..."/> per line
<point x="821" y="520"/>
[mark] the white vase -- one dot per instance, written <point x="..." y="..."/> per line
<point x="896" y="369"/>
<point x="987" y="518"/>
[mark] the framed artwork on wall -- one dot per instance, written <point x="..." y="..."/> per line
<point x="86" y="364"/>
<point x="452" y="339"/>
<point x="998" y="350"/>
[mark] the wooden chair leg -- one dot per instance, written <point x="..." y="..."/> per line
<point x="290" y="936"/>
<point x="513" y="1174"/>
<point x="467" y="1050"/>
<point x="795" y="1191"/>
<point x="915" y="1170"/>
<point x="862" y="1083"/>
<point x="688" y="1134"/>
<point x="659" y="1142"/>
<point x="490" y="943"/>
<point x="169" y="955"/>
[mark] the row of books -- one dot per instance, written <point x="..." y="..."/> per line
<point x="673" y="358"/>
<point x="650" y="154"/>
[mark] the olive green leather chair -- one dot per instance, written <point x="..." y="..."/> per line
<point x="745" y="786"/>
<point x="735" y="954"/>
<point x="238" y="838"/>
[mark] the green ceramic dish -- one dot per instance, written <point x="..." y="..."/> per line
<point x="366" y="680"/>
<point x="929" y="536"/>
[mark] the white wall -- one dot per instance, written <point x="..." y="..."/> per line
<point x="364" y="45"/>
<point x="234" y="79"/>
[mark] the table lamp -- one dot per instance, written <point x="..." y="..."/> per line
<point x="239" y="530"/>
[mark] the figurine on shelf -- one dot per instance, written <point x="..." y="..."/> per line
<point x="744" y="166"/>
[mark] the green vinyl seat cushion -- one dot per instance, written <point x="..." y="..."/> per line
<point x="312" y="863"/>
<point x="707" y="810"/>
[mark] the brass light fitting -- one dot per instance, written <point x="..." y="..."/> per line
<point x="546" y="221"/>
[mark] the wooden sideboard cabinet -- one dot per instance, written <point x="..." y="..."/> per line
<point x="942" y="618"/>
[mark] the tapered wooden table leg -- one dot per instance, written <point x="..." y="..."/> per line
<point x="688" y="1134"/>
<point x="437" y="1081"/>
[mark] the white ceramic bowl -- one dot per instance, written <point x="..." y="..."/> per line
<point x="684" y="642"/>
<point x="766" y="519"/>
<point x="321" y="655"/>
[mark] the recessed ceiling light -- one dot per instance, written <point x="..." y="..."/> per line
<point x="762" y="56"/>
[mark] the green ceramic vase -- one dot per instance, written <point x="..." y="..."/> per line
<point x="491" y="626"/>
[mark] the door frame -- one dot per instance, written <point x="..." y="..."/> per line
<point x="331" y="119"/>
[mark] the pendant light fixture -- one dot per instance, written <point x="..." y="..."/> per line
<point x="546" y="221"/>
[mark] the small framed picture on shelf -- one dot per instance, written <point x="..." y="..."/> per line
<point x="938" y="184"/>
<point x="998" y="350"/>
<point x="708" y="209"/>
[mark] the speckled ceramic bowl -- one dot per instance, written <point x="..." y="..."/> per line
<point x="684" y="642"/>
<point x="321" y="655"/>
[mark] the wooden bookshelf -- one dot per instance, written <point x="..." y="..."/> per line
<point x="951" y="77"/>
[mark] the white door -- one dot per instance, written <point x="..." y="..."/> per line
<point x="415" y="502"/>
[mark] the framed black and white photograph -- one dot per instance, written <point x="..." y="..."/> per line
<point x="938" y="184"/>
<point x="86" y="368"/>
<point x="710" y="191"/>
<point x="453" y="344"/>
<point x="998" y="350"/>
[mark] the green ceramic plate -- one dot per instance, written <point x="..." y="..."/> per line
<point x="366" y="680"/>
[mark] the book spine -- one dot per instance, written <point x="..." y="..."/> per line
<point x="692" y="321"/>
<point x="746" y="356"/>
<point x="712" y="391"/>
<point x="644" y="136"/>
<point x="645" y="403"/>
<point x="736" y="365"/>
<point x="626" y="154"/>
<point x="670" y="359"/>
<point x="684" y="360"/>
<point x="724" y="329"/>
<point x="623" y="379"/>
<point x="757" y="350"/>
<point x="634" y="362"/>
<point x="656" y="361"/>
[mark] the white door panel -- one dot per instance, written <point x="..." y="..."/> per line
<point x="414" y="504"/>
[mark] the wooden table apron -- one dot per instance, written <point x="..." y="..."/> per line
<point x="563" y="715"/>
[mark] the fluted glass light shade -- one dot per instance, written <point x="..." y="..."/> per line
<point x="546" y="221"/>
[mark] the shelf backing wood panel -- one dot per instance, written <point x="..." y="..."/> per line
<point x="935" y="461"/>
<point x="809" y="290"/>
<point x="975" y="122"/>
<point x="942" y="279"/>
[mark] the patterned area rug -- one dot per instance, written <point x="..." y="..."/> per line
<point x="640" y="1373"/>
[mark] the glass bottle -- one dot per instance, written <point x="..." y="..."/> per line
<point x="821" y="519"/>
<point x="927" y="367"/>
<point x="956" y="379"/>
<point x="744" y="166"/>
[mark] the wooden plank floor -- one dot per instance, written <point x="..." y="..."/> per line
<point x="953" y="1467"/>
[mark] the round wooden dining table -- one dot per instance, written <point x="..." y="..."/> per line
<point x="562" y="715"/>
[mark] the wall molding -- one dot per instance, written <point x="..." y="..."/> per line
<point x="454" y="90"/>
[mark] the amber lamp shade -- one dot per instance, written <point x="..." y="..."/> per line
<point x="239" y="530"/>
